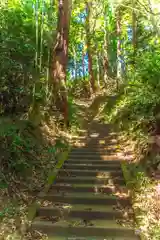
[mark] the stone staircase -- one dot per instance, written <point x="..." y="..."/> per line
<point x="89" y="199"/>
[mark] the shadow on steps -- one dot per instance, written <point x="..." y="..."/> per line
<point x="89" y="199"/>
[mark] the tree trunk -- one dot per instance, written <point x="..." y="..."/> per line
<point x="88" y="35"/>
<point x="83" y="65"/>
<point x="101" y="69"/>
<point x="60" y="56"/>
<point x="75" y="63"/>
<point x="105" y="53"/>
<point x="98" y="70"/>
<point x="134" y="30"/>
<point x="119" y="53"/>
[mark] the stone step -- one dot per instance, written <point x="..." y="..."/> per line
<point x="109" y="139"/>
<point x="83" y="153"/>
<point x="85" y="212"/>
<point x="73" y="237"/>
<point x="116" y="174"/>
<point x="81" y="156"/>
<point x="94" y="138"/>
<point x="87" y="141"/>
<point x="83" y="150"/>
<point x="93" y="188"/>
<point x="116" y="164"/>
<point x="81" y="228"/>
<point x="85" y="198"/>
<point x="90" y="180"/>
<point x="92" y="147"/>
<point x="88" y="166"/>
<point x="107" y="157"/>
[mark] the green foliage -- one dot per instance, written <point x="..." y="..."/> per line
<point x="22" y="150"/>
<point x="19" y="45"/>
<point x="9" y="210"/>
<point x="138" y="105"/>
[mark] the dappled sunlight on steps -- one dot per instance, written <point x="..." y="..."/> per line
<point x="89" y="199"/>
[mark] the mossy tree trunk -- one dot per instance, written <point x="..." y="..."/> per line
<point x="60" y="56"/>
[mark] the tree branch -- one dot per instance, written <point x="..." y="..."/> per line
<point x="150" y="8"/>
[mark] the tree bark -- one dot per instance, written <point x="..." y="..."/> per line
<point x="88" y="40"/>
<point x="119" y="53"/>
<point x="83" y="66"/>
<point x="98" y="69"/>
<point x="75" y="63"/>
<point x="105" y="53"/>
<point x="134" y="30"/>
<point x="60" y="55"/>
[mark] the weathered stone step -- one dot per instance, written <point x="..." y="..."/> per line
<point x="85" y="146"/>
<point x="73" y="237"/>
<point x="94" y="138"/>
<point x="116" y="164"/>
<point x="90" y="138"/>
<point x="97" y="173"/>
<point x="85" y="198"/>
<point x="101" y="141"/>
<point x="107" y="157"/>
<point x="94" y="188"/>
<point x="84" y="212"/>
<point x="81" y="228"/>
<point x="95" y="142"/>
<point x="87" y="166"/>
<point x="92" y="154"/>
<point x="94" y="148"/>
<point x="88" y="180"/>
<point x="81" y="156"/>
<point x="83" y="152"/>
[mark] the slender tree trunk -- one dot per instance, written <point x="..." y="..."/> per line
<point x="48" y="83"/>
<point x="60" y="55"/>
<point x="83" y="66"/>
<point x="98" y="69"/>
<point x="119" y="53"/>
<point x="134" y="31"/>
<point x="75" y="63"/>
<point x="101" y="69"/>
<point x="105" y="53"/>
<point x="34" y="112"/>
<point x="80" y="73"/>
<point x="88" y="36"/>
